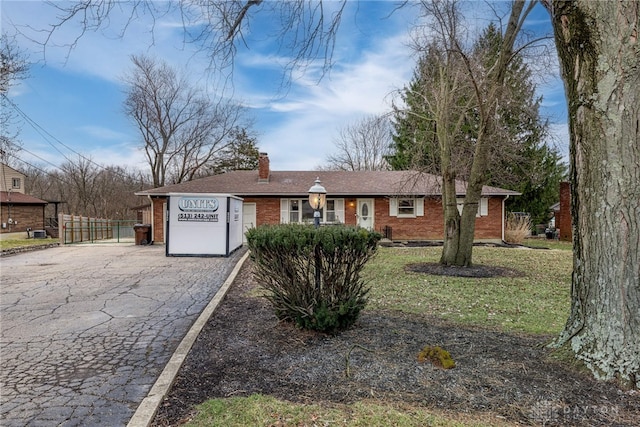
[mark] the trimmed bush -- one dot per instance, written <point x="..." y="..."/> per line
<point x="312" y="276"/>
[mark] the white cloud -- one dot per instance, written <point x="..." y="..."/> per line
<point x="128" y="157"/>
<point x="296" y="125"/>
<point x="313" y="114"/>
<point x="103" y="133"/>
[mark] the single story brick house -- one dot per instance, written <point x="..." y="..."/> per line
<point x="19" y="212"/>
<point x="403" y="205"/>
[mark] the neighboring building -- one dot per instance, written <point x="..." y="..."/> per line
<point x="11" y="180"/>
<point x="19" y="212"/>
<point x="403" y="205"/>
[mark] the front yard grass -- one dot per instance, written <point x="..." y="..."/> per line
<point x="260" y="410"/>
<point x="548" y="244"/>
<point x="537" y="303"/>
<point x="19" y="243"/>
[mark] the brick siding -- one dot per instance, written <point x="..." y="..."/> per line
<point x="428" y="227"/>
<point x="431" y="225"/>
<point x="157" y="228"/>
<point x="26" y="216"/>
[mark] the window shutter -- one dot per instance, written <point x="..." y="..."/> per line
<point x="419" y="206"/>
<point x="284" y="211"/>
<point x="339" y="205"/>
<point x="393" y="206"/>
<point x="484" y="206"/>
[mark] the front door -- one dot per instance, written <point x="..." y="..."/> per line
<point x="248" y="218"/>
<point x="365" y="213"/>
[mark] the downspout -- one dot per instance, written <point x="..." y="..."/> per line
<point x="503" y="217"/>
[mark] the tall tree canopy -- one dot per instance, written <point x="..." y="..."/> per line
<point x="465" y="120"/>
<point x="86" y="188"/>
<point x="14" y="67"/>
<point x="521" y="159"/>
<point x="182" y="130"/>
<point x="240" y="154"/>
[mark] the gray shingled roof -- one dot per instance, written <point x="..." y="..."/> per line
<point x="337" y="183"/>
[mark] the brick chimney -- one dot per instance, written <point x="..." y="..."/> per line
<point x="263" y="167"/>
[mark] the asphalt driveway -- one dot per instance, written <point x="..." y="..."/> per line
<point x="85" y="330"/>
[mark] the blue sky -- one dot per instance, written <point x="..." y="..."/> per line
<point x="76" y="97"/>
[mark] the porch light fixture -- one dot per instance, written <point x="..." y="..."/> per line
<point x="317" y="199"/>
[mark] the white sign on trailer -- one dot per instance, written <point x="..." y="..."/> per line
<point x="203" y="224"/>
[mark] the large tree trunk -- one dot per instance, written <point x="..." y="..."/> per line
<point x="597" y="43"/>
<point x="452" y="226"/>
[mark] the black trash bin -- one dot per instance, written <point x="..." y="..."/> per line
<point x="143" y="234"/>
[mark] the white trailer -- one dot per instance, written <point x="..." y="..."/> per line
<point x="203" y="224"/>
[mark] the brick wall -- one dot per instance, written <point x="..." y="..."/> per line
<point x="157" y="228"/>
<point x="428" y="227"/>
<point x="267" y="210"/>
<point x="26" y="216"/>
<point x="431" y="225"/>
<point x="563" y="216"/>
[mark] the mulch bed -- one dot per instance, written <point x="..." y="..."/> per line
<point x="245" y="350"/>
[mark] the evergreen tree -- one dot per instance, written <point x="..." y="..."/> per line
<point x="240" y="154"/>
<point x="413" y="127"/>
<point x="522" y="160"/>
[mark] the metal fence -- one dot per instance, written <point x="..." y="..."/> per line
<point x="79" y="229"/>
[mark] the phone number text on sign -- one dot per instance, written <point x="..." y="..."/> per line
<point x="199" y="217"/>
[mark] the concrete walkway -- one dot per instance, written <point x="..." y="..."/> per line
<point x="86" y="330"/>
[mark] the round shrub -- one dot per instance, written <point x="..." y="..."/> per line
<point x="312" y="275"/>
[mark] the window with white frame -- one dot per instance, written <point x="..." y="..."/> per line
<point x="406" y="207"/>
<point x="15" y="183"/>
<point x="483" y="206"/>
<point x="299" y="211"/>
<point x="330" y="211"/>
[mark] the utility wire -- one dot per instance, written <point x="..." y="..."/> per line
<point x="45" y="134"/>
<point x="46" y="172"/>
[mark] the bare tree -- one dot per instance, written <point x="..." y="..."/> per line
<point x="362" y="146"/>
<point x="306" y="30"/>
<point x="182" y="130"/>
<point x="465" y="81"/>
<point x="87" y="189"/>
<point x="14" y="67"/>
<point x="598" y="49"/>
